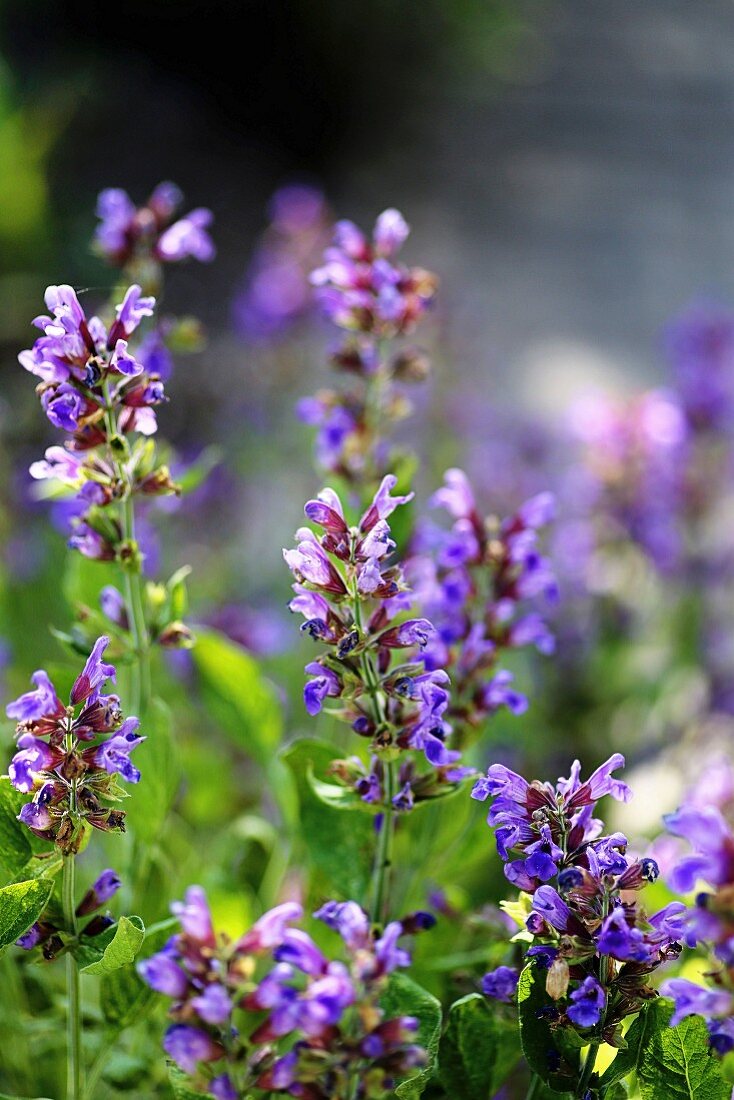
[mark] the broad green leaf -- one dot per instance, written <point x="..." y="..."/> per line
<point x="20" y="906"/>
<point x="122" y="948"/>
<point x="160" y="773"/>
<point x="676" y="1063"/>
<point x="478" y="1050"/>
<point x="404" y="997"/>
<point x="340" y="845"/>
<point x="554" y="1061"/>
<point x="124" y="998"/>
<point x="241" y="699"/>
<point x="15" y="848"/>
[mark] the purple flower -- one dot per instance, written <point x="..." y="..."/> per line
<point x="388" y="954"/>
<point x="455" y="495"/>
<point x="348" y="919"/>
<point x="548" y="904"/>
<point x="94" y="673"/>
<point x="112" y="602"/>
<point x="188" y="237"/>
<point x="298" y="949"/>
<point x="411" y="632"/>
<point x="113" y="755"/>
<point x="391" y="232"/>
<point x="587" y="1003"/>
<point x="214" y="1005"/>
<point x="162" y="973"/>
<point x="60" y="464"/>
<point x="193" y="913"/>
<point x="41" y="703"/>
<point x="383" y="503"/>
<point x="188" y="1046"/>
<point x="35" y="757"/>
<point x="268" y="931"/>
<point x="501" y="983"/>
<point x="133" y="308"/>
<point x="221" y="1088"/>
<point x="64" y="406"/>
<point x="498" y="693"/>
<point x="708" y="833"/>
<point x="622" y="940"/>
<point x="325" y="683"/>
<point x="695" y="1000"/>
<point x="104" y="887"/>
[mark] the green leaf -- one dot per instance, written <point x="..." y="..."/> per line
<point x="339" y="845"/>
<point x="556" y="1062"/>
<point x="331" y="794"/>
<point x="160" y="774"/>
<point x="20" y="906"/>
<point x="478" y="1050"/>
<point x="123" y="996"/>
<point x="15" y="847"/>
<point x="180" y="1086"/>
<point x="121" y="949"/>
<point x="637" y="1038"/>
<point x="676" y="1063"/>
<point x="241" y="699"/>
<point x="404" y="997"/>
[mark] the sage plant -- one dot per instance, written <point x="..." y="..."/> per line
<point x="353" y="601"/>
<point x="593" y="946"/>
<point x="376" y="302"/>
<point x="70" y="759"/>
<point x="478" y="582"/>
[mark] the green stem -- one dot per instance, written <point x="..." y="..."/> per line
<point x="140" y="679"/>
<point x="588" y="1069"/>
<point x="533" y="1087"/>
<point x="384" y="852"/>
<point x="140" y="668"/>
<point x="73" y="1015"/>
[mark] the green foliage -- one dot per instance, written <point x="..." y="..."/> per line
<point x="160" y="767"/>
<point x="124" y="997"/>
<point x="241" y="699"/>
<point x="338" y="843"/>
<point x="478" y="1050"/>
<point x="121" y="944"/>
<point x="180" y="1085"/>
<point x="15" y="848"/>
<point x="404" y="997"/>
<point x="555" y="1061"/>
<point x="20" y="906"/>
<point x="676" y="1063"/>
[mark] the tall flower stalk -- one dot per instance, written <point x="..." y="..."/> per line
<point x="70" y="759"/>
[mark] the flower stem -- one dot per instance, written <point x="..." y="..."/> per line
<point x="73" y="1014"/>
<point x="588" y="1069"/>
<point x="140" y="679"/>
<point x="384" y="852"/>
<point x="533" y="1087"/>
<point x="140" y="668"/>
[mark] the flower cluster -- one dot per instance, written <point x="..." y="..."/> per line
<point x="472" y="581"/>
<point x="127" y="233"/>
<point x="582" y="912"/>
<point x="351" y="599"/>
<point x="310" y="1026"/>
<point x="365" y="291"/>
<point x="70" y="757"/>
<point x="276" y="293"/>
<point x="633" y="460"/>
<point x="710" y="921"/>
<point x="95" y="389"/>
